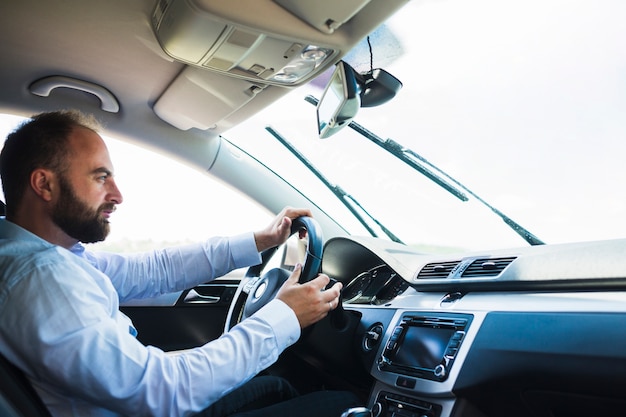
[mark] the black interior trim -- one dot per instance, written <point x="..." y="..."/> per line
<point x="19" y="396"/>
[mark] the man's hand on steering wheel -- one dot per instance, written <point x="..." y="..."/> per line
<point x="277" y="232"/>
<point x="310" y="301"/>
<point x="302" y="289"/>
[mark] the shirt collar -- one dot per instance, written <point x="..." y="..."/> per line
<point x="78" y="249"/>
<point x="10" y="230"/>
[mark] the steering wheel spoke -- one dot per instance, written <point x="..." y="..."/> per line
<point x="248" y="283"/>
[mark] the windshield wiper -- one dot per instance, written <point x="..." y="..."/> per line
<point x="429" y="170"/>
<point x="349" y="201"/>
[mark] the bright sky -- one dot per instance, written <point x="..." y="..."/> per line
<point x="525" y="101"/>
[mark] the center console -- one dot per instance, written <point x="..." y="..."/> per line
<point x="424" y="346"/>
<point x="415" y="365"/>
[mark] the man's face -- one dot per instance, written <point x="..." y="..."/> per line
<point x="77" y="219"/>
<point x="86" y="193"/>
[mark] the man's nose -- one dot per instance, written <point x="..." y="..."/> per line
<point x="115" y="196"/>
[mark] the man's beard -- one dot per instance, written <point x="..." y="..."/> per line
<point x="76" y="219"/>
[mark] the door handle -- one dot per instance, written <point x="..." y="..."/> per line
<point x="193" y="297"/>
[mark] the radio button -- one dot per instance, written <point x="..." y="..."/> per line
<point x="451" y="352"/>
<point x="458" y="335"/>
<point x="396" y="333"/>
<point x="405" y="382"/>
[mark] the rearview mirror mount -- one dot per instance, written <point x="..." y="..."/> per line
<point x="347" y="91"/>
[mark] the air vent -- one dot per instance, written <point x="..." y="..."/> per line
<point x="372" y="337"/>
<point x="437" y="270"/>
<point x="488" y="267"/>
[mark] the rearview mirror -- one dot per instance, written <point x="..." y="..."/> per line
<point x="339" y="103"/>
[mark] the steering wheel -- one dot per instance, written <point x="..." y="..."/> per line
<point x="255" y="290"/>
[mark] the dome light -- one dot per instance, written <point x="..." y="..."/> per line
<point x="302" y="65"/>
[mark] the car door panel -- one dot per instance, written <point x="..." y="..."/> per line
<point x="197" y="317"/>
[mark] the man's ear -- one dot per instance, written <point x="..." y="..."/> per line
<point x="42" y="182"/>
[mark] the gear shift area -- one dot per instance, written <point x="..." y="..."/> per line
<point x="357" y="412"/>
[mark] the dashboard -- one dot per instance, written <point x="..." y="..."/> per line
<point x="533" y="331"/>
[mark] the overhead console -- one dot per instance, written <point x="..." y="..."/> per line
<point x="234" y="51"/>
<point x="190" y="33"/>
<point x="249" y="44"/>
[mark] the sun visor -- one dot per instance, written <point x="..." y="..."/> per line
<point x="200" y="99"/>
<point x="324" y="15"/>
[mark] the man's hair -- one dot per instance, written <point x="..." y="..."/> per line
<point x="40" y="142"/>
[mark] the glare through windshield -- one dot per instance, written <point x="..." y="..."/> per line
<point x="523" y="102"/>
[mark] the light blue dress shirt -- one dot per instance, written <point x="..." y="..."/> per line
<point x="60" y="323"/>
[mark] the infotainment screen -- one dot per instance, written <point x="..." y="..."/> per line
<point x="423" y="347"/>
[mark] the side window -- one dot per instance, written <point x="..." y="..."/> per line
<point x="165" y="202"/>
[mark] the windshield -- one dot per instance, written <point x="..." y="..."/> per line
<point x="522" y="102"/>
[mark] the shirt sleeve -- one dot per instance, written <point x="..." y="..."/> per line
<point x="226" y="363"/>
<point x="80" y="348"/>
<point x="150" y="274"/>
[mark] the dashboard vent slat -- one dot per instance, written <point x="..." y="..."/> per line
<point x="483" y="268"/>
<point x="437" y="270"/>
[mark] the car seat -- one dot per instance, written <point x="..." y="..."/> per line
<point x="18" y="398"/>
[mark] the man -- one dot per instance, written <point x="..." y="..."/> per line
<point x="59" y="304"/>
